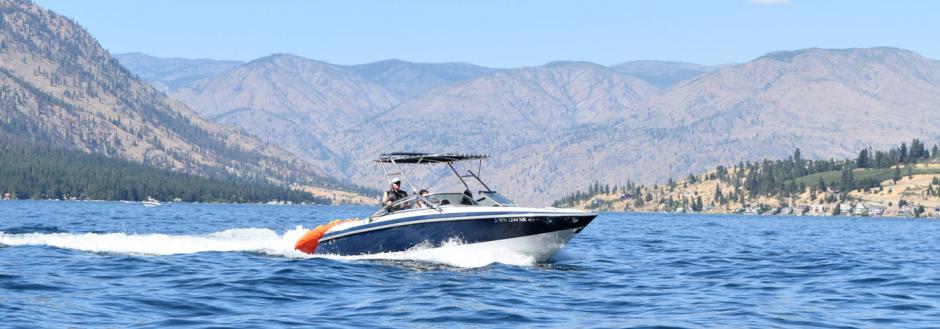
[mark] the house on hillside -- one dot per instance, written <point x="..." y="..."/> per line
<point x="906" y="210"/>
<point x="801" y="210"/>
<point x="875" y="210"/>
<point x="860" y="210"/>
<point x="845" y="208"/>
<point x="821" y="209"/>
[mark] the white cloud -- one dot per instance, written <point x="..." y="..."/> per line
<point x="770" y="2"/>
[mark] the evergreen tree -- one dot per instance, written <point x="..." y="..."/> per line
<point x="848" y="180"/>
<point x="798" y="163"/>
<point x="902" y="154"/>
<point x="897" y="173"/>
<point x="862" y="161"/>
<point x="881" y="160"/>
<point x="721" y="172"/>
<point x="917" y="150"/>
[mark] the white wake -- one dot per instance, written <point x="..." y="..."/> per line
<point x="257" y="240"/>
<point x="454" y="253"/>
<point x="260" y="240"/>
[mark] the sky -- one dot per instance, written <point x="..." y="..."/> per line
<point x="502" y="33"/>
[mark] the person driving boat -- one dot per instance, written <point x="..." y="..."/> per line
<point x="393" y="195"/>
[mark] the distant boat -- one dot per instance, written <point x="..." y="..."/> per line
<point x="150" y="202"/>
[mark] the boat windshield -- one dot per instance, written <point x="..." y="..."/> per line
<point x="443" y="200"/>
<point x="451" y="199"/>
<point x="498" y="198"/>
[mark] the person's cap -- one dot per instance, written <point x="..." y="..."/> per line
<point x="396" y="180"/>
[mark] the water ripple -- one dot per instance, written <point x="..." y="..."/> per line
<point x="122" y="265"/>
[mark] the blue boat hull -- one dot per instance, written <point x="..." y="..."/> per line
<point x="401" y="235"/>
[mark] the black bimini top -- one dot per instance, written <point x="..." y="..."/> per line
<point x="419" y="158"/>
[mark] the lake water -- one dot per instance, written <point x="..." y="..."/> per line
<point x="97" y="264"/>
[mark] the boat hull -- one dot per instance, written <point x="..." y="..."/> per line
<point x="537" y="235"/>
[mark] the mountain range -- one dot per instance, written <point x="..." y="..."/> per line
<point x="59" y="87"/>
<point x="553" y="128"/>
<point x="559" y="126"/>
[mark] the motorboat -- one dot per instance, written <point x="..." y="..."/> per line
<point x="150" y="202"/>
<point x="486" y="219"/>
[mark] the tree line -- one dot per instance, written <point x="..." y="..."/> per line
<point x="41" y="171"/>
<point x="782" y="178"/>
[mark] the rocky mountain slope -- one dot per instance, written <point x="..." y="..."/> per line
<point x="291" y="101"/>
<point x="570" y="123"/>
<point x="59" y="86"/>
<point x="496" y="113"/>
<point x="502" y="112"/>
<point x="827" y="102"/>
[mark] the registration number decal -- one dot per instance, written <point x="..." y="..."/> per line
<point x="516" y="219"/>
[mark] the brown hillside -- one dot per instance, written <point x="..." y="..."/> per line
<point x="59" y="86"/>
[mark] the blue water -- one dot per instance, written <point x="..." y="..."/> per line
<point x="97" y="264"/>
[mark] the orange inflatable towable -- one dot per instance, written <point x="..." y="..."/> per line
<point x="309" y="242"/>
